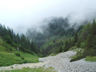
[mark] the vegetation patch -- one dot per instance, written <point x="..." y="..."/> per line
<point x="29" y="58"/>
<point x="32" y="70"/>
<point x="79" y="54"/>
<point x="91" y="58"/>
<point x="7" y="59"/>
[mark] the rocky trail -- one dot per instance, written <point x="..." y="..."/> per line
<point x="60" y="62"/>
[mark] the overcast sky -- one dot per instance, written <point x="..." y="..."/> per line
<point x="23" y="14"/>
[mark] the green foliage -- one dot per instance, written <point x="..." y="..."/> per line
<point x="91" y="58"/>
<point x="79" y="54"/>
<point x="82" y="44"/>
<point x="87" y="41"/>
<point x="4" y="46"/>
<point x="32" y="70"/>
<point x="74" y="48"/>
<point x="58" y="45"/>
<point x="53" y="46"/>
<point x="14" y="48"/>
<point x="91" y="41"/>
<point x="9" y="59"/>
<point x="58" y="36"/>
<point x="13" y="58"/>
<point x="56" y="28"/>
<point x="17" y="54"/>
<point x="12" y="41"/>
<point x="29" y="58"/>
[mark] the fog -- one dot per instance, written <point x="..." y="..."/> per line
<point x="21" y="15"/>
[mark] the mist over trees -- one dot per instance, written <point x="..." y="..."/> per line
<point x="19" y="42"/>
<point x="55" y="27"/>
<point x="55" y="37"/>
<point x="59" y="36"/>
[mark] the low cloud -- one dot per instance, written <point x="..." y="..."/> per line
<point x="23" y="14"/>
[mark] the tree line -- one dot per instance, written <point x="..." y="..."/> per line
<point x="17" y="41"/>
<point x="59" y="36"/>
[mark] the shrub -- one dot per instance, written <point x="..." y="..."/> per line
<point x="17" y="54"/>
<point x="78" y="56"/>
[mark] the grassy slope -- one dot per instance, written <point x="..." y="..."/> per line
<point x="9" y="56"/>
<point x="91" y="58"/>
<point x="79" y="55"/>
<point x="32" y="70"/>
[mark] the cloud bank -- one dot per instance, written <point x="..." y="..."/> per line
<point x="23" y="14"/>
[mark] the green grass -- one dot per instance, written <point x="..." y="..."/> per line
<point x="53" y="54"/>
<point x="5" y="46"/>
<point x="77" y="57"/>
<point x="32" y="70"/>
<point x="2" y="48"/>
<point x="9" y="55"/>
<point x="29" y="58"/>
<point x="7" y="59"/>
<point x="91" y="58"/>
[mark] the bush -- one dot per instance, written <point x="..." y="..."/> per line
<point x="83" y="44"/>
<point x="78" y="56"/>
<point x="17" y="54"/>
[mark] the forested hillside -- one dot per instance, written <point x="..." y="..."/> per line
<point x="18" y="42"/>
<point x="15" y="48"/>
<point x="60" y="36"/>
<point x="55" y="36"/>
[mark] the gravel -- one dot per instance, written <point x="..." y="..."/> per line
<point x="61" y="63"/>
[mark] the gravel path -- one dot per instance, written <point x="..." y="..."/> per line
<point x="60" y="62"/>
